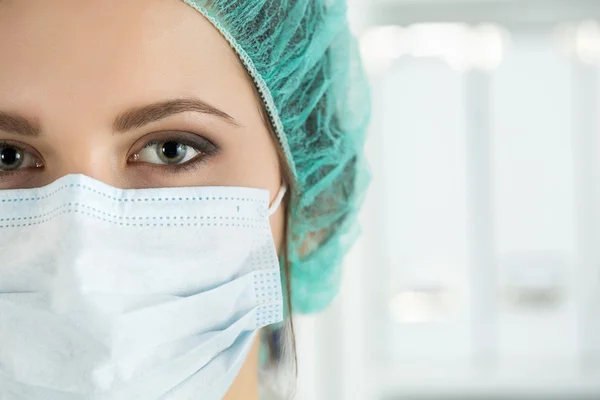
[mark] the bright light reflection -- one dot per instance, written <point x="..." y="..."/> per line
<point x="461" y="46"/>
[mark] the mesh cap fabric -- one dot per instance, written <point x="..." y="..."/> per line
<point x="305" y="64"/>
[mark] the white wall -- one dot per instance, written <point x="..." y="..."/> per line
<point x="478" y="270"/>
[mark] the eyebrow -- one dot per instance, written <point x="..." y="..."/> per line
<point x="140" y="116"/>
<point x="19" y="125"/>
<point x="126" y="121"/>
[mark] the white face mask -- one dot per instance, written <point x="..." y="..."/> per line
<point x="132" y="294"/>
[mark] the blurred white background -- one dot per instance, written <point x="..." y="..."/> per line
<point x="477" y="275"/>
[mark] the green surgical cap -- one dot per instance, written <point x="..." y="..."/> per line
<point x="305" y="64"/>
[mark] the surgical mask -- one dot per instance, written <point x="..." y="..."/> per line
<point x="110" y="294"/>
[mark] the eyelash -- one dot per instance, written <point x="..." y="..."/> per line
<point x="205" y="147"/>
<point x="202" y="145"/>
<point x="33" y="153"/>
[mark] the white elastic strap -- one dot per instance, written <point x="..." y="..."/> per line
<point x="277" y="201"/>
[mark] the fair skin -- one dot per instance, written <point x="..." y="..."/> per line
<point x="70" y="68"/>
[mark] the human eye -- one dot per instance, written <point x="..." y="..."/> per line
<point x="15" y="157"/>
<point x="173" y="150"/>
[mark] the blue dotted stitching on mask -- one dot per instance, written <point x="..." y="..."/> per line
<point x="79" y="205"/>
<point x="267" y="314"/>
<point x="88" y="188"/>
<point x="174" y="223"/>
<point x="267" y="288"/>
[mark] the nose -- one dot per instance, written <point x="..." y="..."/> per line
<point x="88" y="157"/>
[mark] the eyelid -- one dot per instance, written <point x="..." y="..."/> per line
<point x="22" y="146"/>
<point x="188" y="138"/>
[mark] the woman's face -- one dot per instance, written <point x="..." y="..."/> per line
<point x="135" y="93"/>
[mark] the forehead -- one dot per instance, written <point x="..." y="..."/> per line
<point x="92" y="51"/>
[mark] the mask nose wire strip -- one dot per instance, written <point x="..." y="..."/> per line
<point x="277" y="201"/>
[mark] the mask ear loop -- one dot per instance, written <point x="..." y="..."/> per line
<point x="278" y="200"/>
